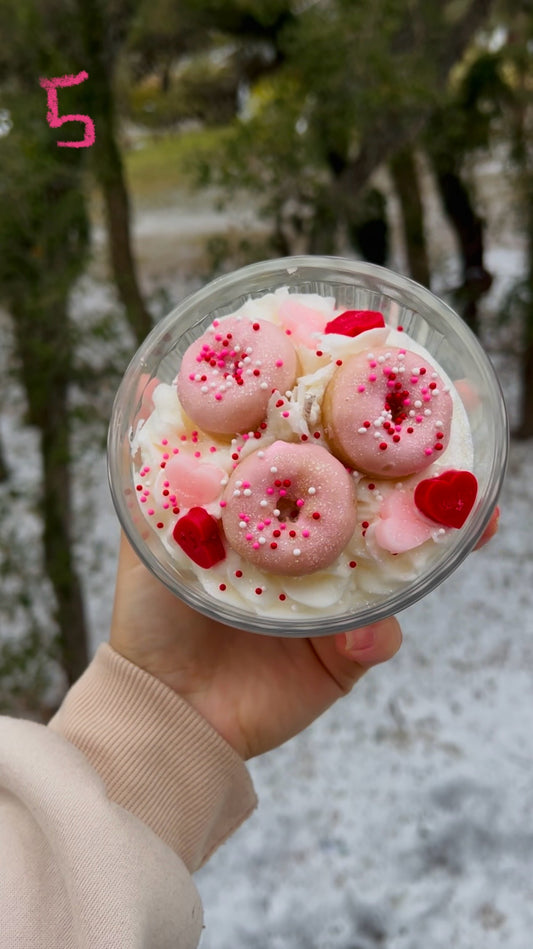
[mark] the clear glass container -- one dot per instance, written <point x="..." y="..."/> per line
<point x="425" y="319"/>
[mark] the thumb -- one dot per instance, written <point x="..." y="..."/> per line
<point x="347" y="656"/>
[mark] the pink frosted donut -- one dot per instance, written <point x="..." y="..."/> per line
<point x="289" y="509"/>
<point x="387" y="412"/>
<point x="227" y="375"/>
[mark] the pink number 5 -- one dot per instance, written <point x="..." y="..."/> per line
<point x="55" y="121"/>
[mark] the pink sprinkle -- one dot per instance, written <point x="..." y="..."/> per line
<point x="218" y="396"/>
<point x="249" y="536"/>
<point x="285" y="414"/>
<point x="166" y="484"/>
<point x="305" y="533"/>
<point x="212" y="448"/>
<point x="372" y="377"/>
<point x="282" y="493"/>
<point x="150" y="511"/>
<point x="166" y="506"/>
<point x="270" y="491"/>
<point x="372" y="364"/>
<point x="279" y="363"/>
<point x="166" y="455"/>
<point x="164" y="441"/>
<point x="360" y="388"/>
<point x="222" y="503"/>
<point x="198" y="454"/>
<point x="175" y="451"/>
<point x="419" y="418"/>
<point x="142" y="500"/>
<point x="255" y="545"/>
<point x="267" y="521"/>
<point x="299" y="502"/>
<point x="427" y="451"/>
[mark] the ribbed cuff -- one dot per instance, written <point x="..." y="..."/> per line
<point x="157" y="756"/>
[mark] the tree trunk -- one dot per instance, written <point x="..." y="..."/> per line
<point x="57" y="515"/>
<point x="468" y="227"/>
<point x="405" y="176"/>
<point x="108" y="164"/>
<point x="43" y="347"/>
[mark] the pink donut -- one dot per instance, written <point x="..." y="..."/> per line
<point x="289" y="509"/>
<point x="228" y="375"/>
<point x="387" y="413"/>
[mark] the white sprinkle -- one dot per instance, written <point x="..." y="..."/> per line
<point x="204" y="389"/>
<point x="415" y="372"/>
<point x="274" y="470"/>
<point x="362" y="431"/>
<point x="238" y="484"/>
<point x="296" y="552"/>
<point x="249" y="350"/>
<point x="381" y="359"/>
<point x="412" y="413"/>
<point x="224" y="481"/>
<point x="242" y="524"/>
<point x="427" y="412"/>
<point x="418" y="404"/>
<point x="263" y="386"/>
<point x="311" y="490"/>
<point x="263" y="503"/>
<point x="262" y="540"/>
<point x="276" y="512"/>
<point x="377" y="434"/>
<point x="236" y="494"/>
<point x="260" y="454"/>
<point x="247" y="492"/>
<point x="438" y="424"/>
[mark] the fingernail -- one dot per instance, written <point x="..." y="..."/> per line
<point x="359" y="639"/>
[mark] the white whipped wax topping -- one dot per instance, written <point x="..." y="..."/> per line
<point x="168" y="432"/>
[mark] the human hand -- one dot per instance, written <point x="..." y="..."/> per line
<point x="256" y="691"/>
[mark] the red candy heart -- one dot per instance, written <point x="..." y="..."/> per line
<point x="197" y="534"/>
<point x="448" y="498"/>
<point x="353" y="322"/>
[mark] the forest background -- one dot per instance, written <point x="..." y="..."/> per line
<point x="320" y="127"/>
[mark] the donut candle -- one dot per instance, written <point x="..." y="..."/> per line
<point x="227" y="375"/>
<point x="290" y="509"/>
<point x="305" y="459"/>
<point x="387" y="412"/>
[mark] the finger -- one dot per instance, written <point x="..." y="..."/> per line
<point x="490" y="530"/>
<point x="370" y="645"/>
<point x="347" y="656"/>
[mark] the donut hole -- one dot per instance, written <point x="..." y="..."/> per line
<point x="287" y="510"/>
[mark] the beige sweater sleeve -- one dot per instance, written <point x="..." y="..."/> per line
<point x="104" y="813"/>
